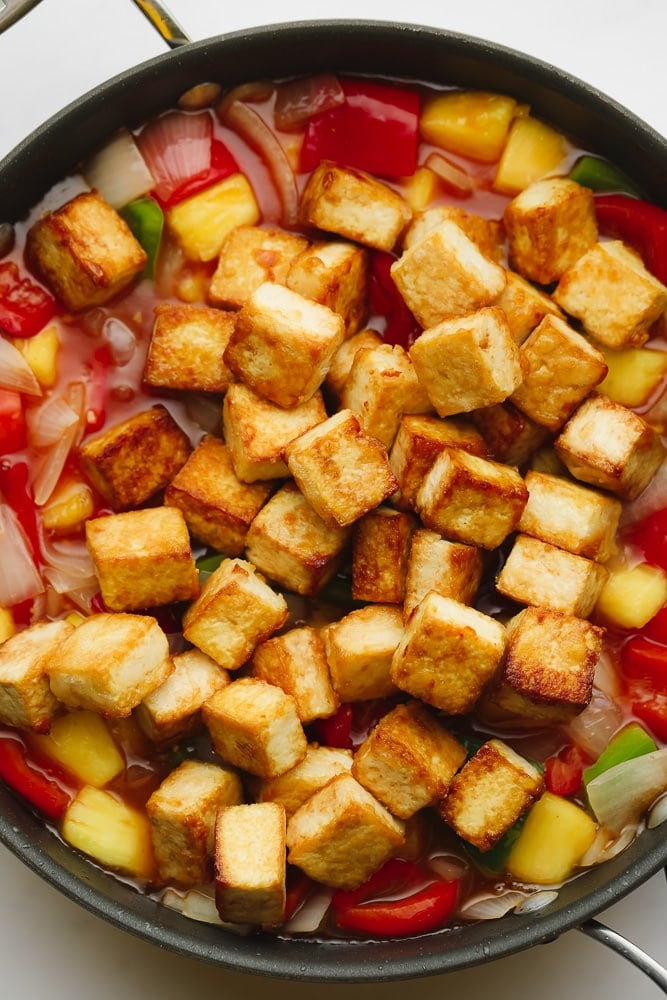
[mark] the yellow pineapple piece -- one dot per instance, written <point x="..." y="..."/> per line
<point x="633" y="375"/>
<point x="554" y="838"/>
<point x="7" y="626"/>
<point x="41" y="353"/>
<point x="70" y="504"/>
<point x="473" y="123"/>
<point x="83" y="745"/>
<point x="420" y="189"/>
<point x="632" y="595"/>
<point x="75" y="618"/>
<point x="106" y="829"/>
<point x="200" y="223"/>
<point x="533" y="150"/>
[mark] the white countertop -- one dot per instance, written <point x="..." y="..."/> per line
<point x="51" y="948"/>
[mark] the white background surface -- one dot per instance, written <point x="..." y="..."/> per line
<point x="50" y="948"/>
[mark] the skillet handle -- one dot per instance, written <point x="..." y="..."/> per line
<point x="12" y="10"/>
<point x="626" y="949"/>
<point x="164" y="23"/>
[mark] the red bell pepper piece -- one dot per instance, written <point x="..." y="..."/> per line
<point x="386" y="300"/>
<point x="564" y="771"/>
<point x="25" y="307"/>
<point x="375" y="130"/>
<point x="640" y="224"/>
<point x="222" y="165"/>
<point x="13" y="434"/>
<point x="650" y="535"/>
<point x="40" y="791"/>
<point x="298" y="887"/>
<point x="14" y="480"/>
<point x="96" y="389"/>
<point x="336" y="731"/>
<point x="399" y="900"/>
<point x="656" y="629"/>
<point x="652" y="711"/>
<point x="643" y="659"/>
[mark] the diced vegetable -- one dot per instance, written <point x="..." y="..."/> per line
<point x="473" y="123"/>
<point x="298" y="100"/>
<point x="25" y="307"/>
<point x="7" y="624"/>
<point x="600" y="175"/>
<point x="555" y="836"/>
<point x="532" y="151"/>
<point x="644" y="659"/>
<point x="631" y="596"/>
<point x="176" y="148"/>
<point x="146" y="220"/>
<point x="82" y="744"/>
<point x="652" y="710"/>
<point x="633" y="375"/>
<point x="631" y="741"/>
<point x="620" y="795"/>
<point x="336" y="730"/>
<point x="41" y="353"/>
<point x="650" y="536"/>
<point x="402" y="328"/>
<point x="118" y="171"/>
<point x="100" y="825"/>
<point x="420" y="188"/>
<point x="453" y="177"/>
<point x="642" y="225"/>
<point x="13" y="435"/>
<point x="14" y="479"/>
<point x="15" y="372"/>
<point x="564" y="771"/>
<point x="36" y="788"/>
<point x="201" y="223"/>
<point x="70" y="504"/>
<point x="24" y="581"/>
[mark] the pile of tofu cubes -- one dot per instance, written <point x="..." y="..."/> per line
<point x="414" y="465"/>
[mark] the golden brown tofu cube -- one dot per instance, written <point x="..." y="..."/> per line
<point x="235" y="611"/>
<point x="334" y="274"/>
<point x="342" y="834"/>
<point x="251" y="255"/>
<point x="547" y="676"/>
<point x="254" y="726"/>
<point x="342" y="472"/>
<point x="290" y="543"/>
<point x="487" y="234"/>
<point x="172" y="711"/>
<point x="409" y="760"/>
<point x="84" y="251"/>
<point x="110" y="662"/>
<point x="218" y="508"/>
<point x="445" y="275"/>
<point x="570" y="515"/>
<point x="524" y="306"/>
<point x="359" y="649"/>
<point x="607" y="445"/>
<point x="296" y="786"/>
<point x="26" y="698"/>
<point x="448" y="654"/>
<point x="135" y="459"/>
<point x="296" y="662"/>
<point x="187" y="347"/>
<point x="343" y="359"/>
<point x="468" y="362"/>
<point x="419" y="441"/>
<point x="490" y="793"/>
<point x="142" y="558"/>
<point x="380" y="551"/>
<point x="250" y="876"/>
<point x="560" y="369"/>
<point x="182" y="813"/>
<point x="470" y="499"/>
<point x="613" y="295"/>
<point x="450" y="568"/>
<point x="354" y="205"/>
<point x="257" y="431"/>
<point x="549" y="225"/>
<point x="511" y="436"/>
<point x="543" y="575"/>
<point x="282" y="344"/>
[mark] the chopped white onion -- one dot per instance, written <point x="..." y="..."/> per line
<point x="447" y="866"/>
<point x="310" y="915"/>
<point x="15" y="372"/>
<point x="621" y="795"/>
<point x="491" y="906"/>
<point x="47" y="472"/>
<point x="176" y="148"/>
<point x="197" y="905"/>
<point x="48" y="422"/>
<point x="537" y="901"/>
<point x="595" y="726"/>
<point x="121" y="340"/>
<point x="607" y="846"/>
<point x="19" y="580"/>
<point x="658" y="813"/>
<point x="118" y="171"/>
<point x="451" y="175"/>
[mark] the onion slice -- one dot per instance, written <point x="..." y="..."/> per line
<point x="310" y="915"/>
<point x="491" y="906"/>
<point x="118" y="171"/>
<point x="457" y="180"/>
<point x="19" y="580"/>
<point x="15" y="372"/>
<point x="176" y="148"/>
<point x="55" y="426"/>
<point x="620" y="796"/>
<point x="298" y="100"/>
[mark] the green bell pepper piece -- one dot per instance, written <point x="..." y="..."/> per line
<point x="632" y="741"/>
<point x="146" y="220"/>
<point x="600" y="175"/>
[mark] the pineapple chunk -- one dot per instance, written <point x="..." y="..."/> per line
<point x="201" y="223"/>
<point x="41" y="353"/>
<point x="533" y="150"/>
<point x="7" y="626"/>
<point x="473" y="123"/>
<point x="75" y="618"/>
<point x="118" y="837"/>
<point x="632" y="595"/>
<point x="633" y="375"/>
<point x="556" y="835"/>
<point x="83" y="745"/>
<point x="70" y="504"/>
<point x="420" y="189"/>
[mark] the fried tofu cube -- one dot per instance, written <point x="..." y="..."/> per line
<point x="449" y="568"/>
<point x="187" y="346"/>
<point x="26" y="698"/>
<point x="235" y="611"/>
<point x="419" y="441"/>
<point x="342" y="834"/>
<point x="296" y="662"/>
<point x="359" y="649"/>
<point x="84" y="251"/>
<point x="571" y="516"/>
<point x="445" y="275"/>
<point x="218" y="508"/>
<point x="133" y="460"/>
<point x="250" y="875"/>
<point x="201" y="223"/>
<point x="172" y="711"/>
<point x="142" y="558"/>
<point x="334" y="274"/>
<point x="547" y="676"/>
<point x="257" y="431"/>
<point x="470" y="499"/>
<point x="290" y="543"/>
<point x="409" y="760"/>
<point x="447" y="654"/>
<point x="354" y="205"/>
<point x="249" y="256"/>
<point x="524" y="305"/>
<point x="342" y="472"/>
<point x="613" y="295"/>
<point x="549" y="225"/>
<point x="541" y="574"/>
<point x="109" y="663"/>
<point x="490" y="793"/>
<point x="296" y="786"/>
<point x="254" y="726"/>
<point x="511" y="437"/>
<point x="560" y="368"/>
<point x="343" y="359"/>
<point x="608" y="445"/>
<point x="487" y="234"/>
<point x="182" y="813"/>
<point x="282" y="344"/>
<point x="380" y="550"/>
<point x="468" y="362"/>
